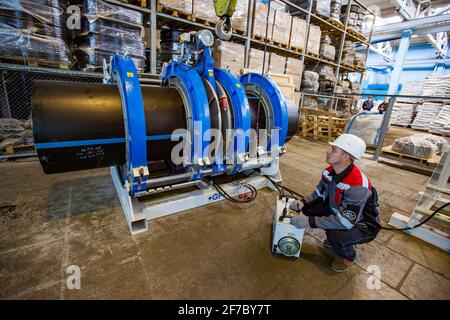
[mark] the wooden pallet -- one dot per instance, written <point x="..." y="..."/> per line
<point x="434" y="160"/>
<point x="299" y="50"/>
<point x="204" y="21"/>
<point x="18" y="149"/>
<point x="35" y="62"/>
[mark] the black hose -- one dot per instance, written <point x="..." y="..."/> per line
<point x="279" y="186"/>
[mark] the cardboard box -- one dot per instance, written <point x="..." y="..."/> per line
<point x="183" y="6"/>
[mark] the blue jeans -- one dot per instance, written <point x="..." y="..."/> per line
<point x="341" y="241"/>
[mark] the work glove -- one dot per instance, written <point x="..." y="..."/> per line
<point x="301" y="221"/>
<point x="296" y="205"/>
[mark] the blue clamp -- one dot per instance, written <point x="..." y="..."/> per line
<point x="198" y="102"/>
<point x="277" y="101"/>
<point x="241" y="110"/>
<point x="124" y="74"/>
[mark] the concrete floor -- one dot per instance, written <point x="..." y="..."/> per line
<point x="221" y="251"/>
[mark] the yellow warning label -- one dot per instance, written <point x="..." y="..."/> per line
<point x="130" y="74"/>
<point x="238" y="85"/>
<point x="211" y="73"/>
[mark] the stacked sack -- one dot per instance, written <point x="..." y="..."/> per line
<point x="321" y="7"/>
<point x="34" y="31"/>
<point x="441" y="124"/>
<point x="108" y="29"/>
<point x="310" y="81"/>
<point x="327" y="50"/>
<point x="183" y="6"/>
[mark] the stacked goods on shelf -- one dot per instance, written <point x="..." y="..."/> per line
<point x="310" y="81"/>
<point x="355" y="87"/>
<point x="298" y="35"/>
<point x="108" y="29"/>
<point x="170" y="44"/>
<point x="441" y="123"/>
<point x="239" y="18"/>
<point x="327" y="50"/>
<point x="327" y="79"/>
<point x="426" y="113"/>
<point x="14" y="132"/>
<point x="434" y="86"/>
<point x="256" y="61"/>
<point x="182" y="6"/>
<point x="34" y="32"/>
<point x="322" y="7"/>
<point x="293" y="67"/>
<point x="403" y="114"/>
<point x="282" y="26"/>
<point x="230" y="56"/>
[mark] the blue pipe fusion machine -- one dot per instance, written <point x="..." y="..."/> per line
<point x="134" y="128"/>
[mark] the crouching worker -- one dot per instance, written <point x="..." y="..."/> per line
<point x="344" y="203"/>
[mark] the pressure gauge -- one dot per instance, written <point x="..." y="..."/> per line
<point x="288" y="246"/>
<point x="205" y="37"/>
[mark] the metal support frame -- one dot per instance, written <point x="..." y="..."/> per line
<point x="138" y="211"/>
<point x="393" y="87"/>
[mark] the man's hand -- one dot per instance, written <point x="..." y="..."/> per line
<point x="296" y="205"/>
<point x="301" y="221"/>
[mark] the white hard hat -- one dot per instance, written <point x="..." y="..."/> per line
<point x="351" y="144"/>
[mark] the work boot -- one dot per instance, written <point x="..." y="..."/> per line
<point x="341" y="265"/>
